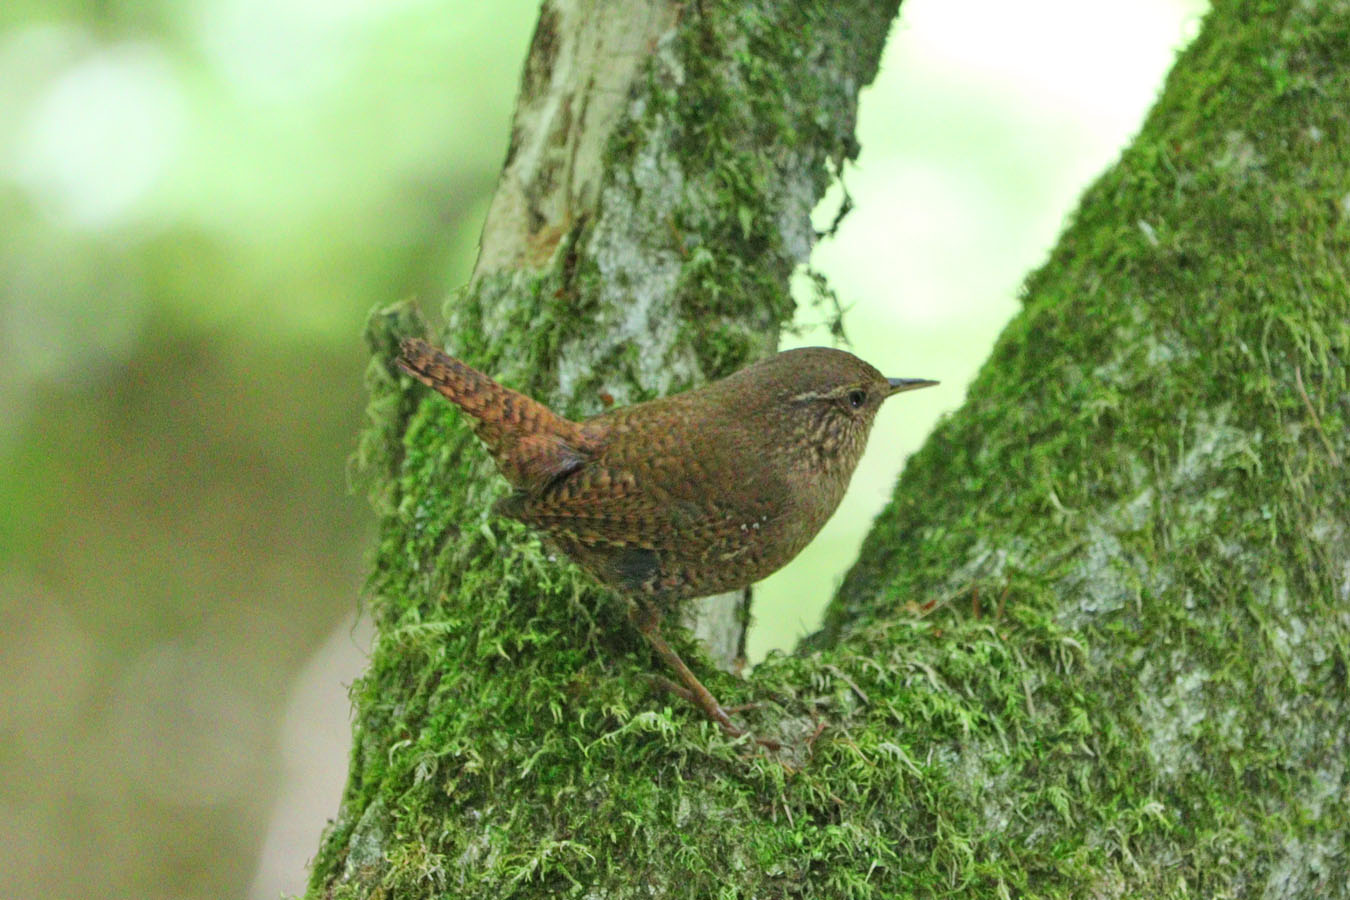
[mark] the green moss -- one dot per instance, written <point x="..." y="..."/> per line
<point x="1137" y="460"/>
<point x="509" y="740"/>
<point x="1145" y="511"/>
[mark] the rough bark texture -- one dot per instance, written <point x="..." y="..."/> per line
<point x="1096" y="647"/>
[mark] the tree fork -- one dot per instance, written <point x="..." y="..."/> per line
<point x="1161" y="707"/>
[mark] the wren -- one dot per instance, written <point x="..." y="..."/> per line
<point x="685" y="496"/>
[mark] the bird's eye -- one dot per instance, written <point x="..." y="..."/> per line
<point x="857" y="398"/>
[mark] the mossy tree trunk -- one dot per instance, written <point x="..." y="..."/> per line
<point x="1096" y="646"/>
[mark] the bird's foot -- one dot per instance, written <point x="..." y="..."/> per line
<point x="692" y="689"/>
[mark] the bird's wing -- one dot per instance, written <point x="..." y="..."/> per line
<point x="697" y="492"/>
<point x="598" y="504"/>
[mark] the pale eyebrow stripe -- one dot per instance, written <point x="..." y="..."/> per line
<point x="822" y="395"/>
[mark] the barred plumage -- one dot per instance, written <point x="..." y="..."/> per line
<point x="688" y="495"/>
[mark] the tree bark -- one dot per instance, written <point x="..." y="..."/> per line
<point x="1096" y="646"/>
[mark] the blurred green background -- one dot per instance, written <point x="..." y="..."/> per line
<point x="200" y="200"/>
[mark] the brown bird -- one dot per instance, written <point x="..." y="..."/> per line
<point x="685" y="496"/>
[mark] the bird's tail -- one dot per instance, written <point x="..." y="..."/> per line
<point x="531" y="444"/>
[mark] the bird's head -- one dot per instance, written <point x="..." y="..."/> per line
<point x="824" y="399"/>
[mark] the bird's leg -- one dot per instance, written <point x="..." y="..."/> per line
<point x="648" y="621"/>
<point x="666" y="684"/>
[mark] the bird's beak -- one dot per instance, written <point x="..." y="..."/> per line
<point x="900" y="385"/>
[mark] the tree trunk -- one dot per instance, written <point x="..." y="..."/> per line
<point x="1096" y="646"/>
